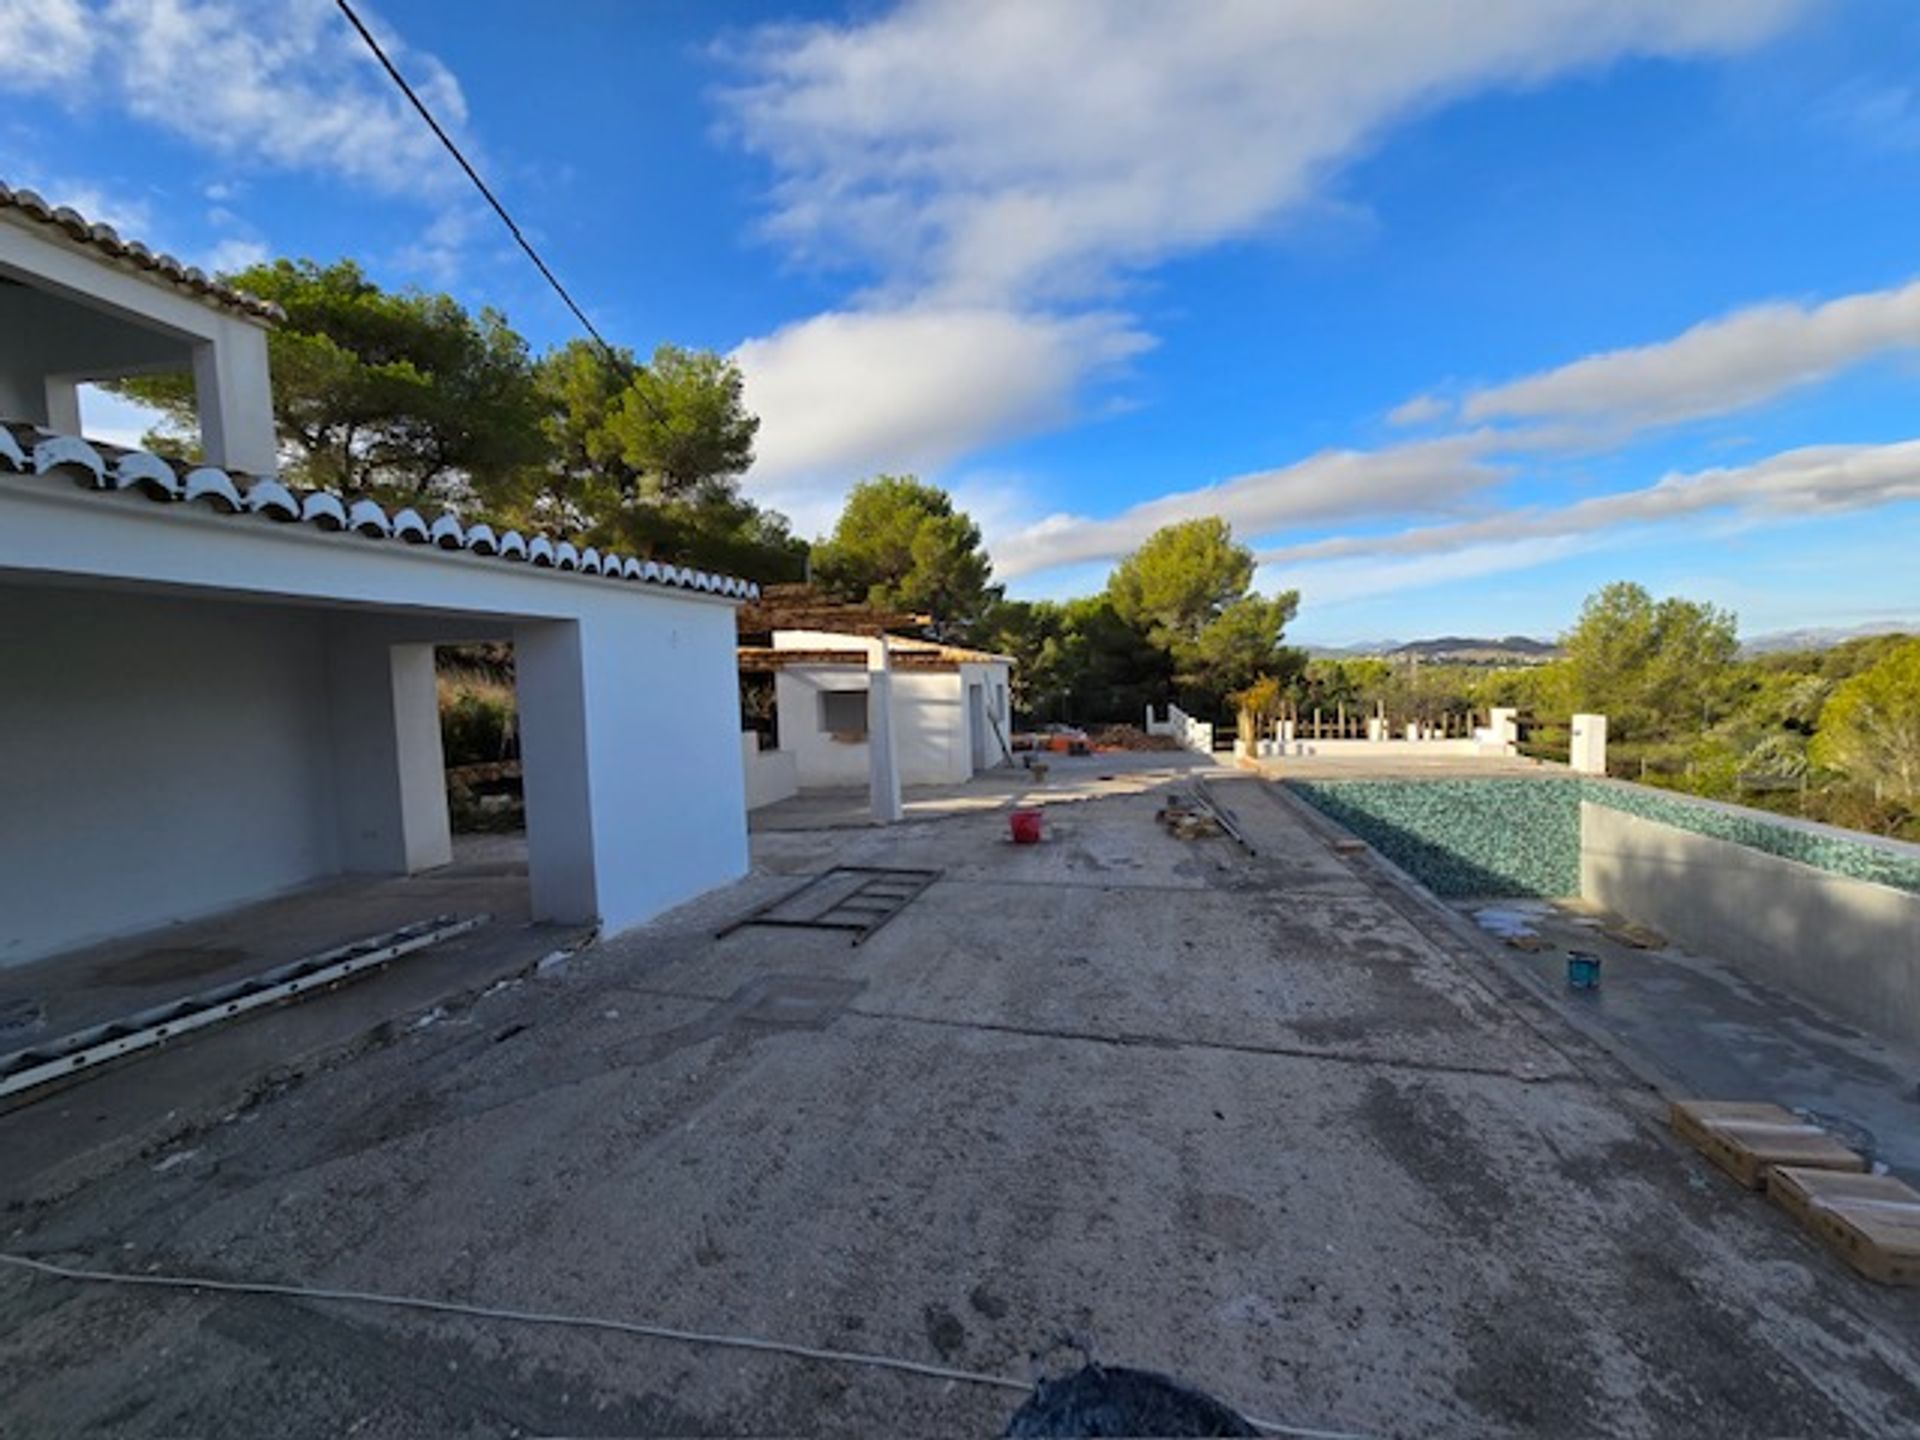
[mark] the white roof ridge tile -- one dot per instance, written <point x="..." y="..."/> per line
<point x="26" y="448"/>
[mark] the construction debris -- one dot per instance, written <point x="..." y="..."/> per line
<point x="1636" y="936"/>
<point x="1187" y="818"/>
<point x="1747" y="1140"/>
<point x="1129" y="737"/>
<point x="1871" y="1221"/>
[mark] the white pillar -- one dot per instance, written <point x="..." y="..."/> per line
<point x="63" y="405"/>
<point x="420" y="758"/>
<point x="1504" y="722"/>
<point x="1376" y="728"/>
<point x="1588" y="752"/>
<point x="389" y="773"/>
<point x="883" y="770"/>
<point x="234" y="395"/>
<point x="551" y="700"/>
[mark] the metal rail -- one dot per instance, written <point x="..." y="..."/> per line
<point x="871" y="903"/>
<point x="1229" y="822"/>
<point x="82" y="1050"/>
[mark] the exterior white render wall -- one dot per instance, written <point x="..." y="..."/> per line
<point x="114" y="320"/>
<point x="628" y="692"/>
<point x="931" y="735"/>
<point x="159" y="759"/>
<point x="770" y="774"/>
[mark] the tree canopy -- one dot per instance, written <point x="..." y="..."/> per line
<point x="1648" y="665"/>
<point x="1870" y="727"/>
<point x="900" y="544"/>
<point x="1189" y="590"/>
<point x="410" y="398"/>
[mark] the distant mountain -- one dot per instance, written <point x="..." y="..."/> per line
<point x="1823" y="638"/>
<point x="1467" y="650"/>
<point x="1448" y="650"/>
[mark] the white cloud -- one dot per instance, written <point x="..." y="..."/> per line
<point x="236" y="253"/>
<point x="1333" y="583"/>
<point x="1000" y="149"/>
<point x="48" y="42"/>
<point x="288" y="85"/>
<point x="845" y="394"/>
<point x="1418" y="411"/>
<point x="1014" y="160"/>
<point x="1723" y="364"/>
<point x="1818" y="479"/>
<point x="1421" y="476"/>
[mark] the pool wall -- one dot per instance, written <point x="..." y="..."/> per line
<point x="1831" y="913"/>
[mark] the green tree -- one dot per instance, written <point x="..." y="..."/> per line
<point x="1188" y="589"/>
<point x="1870" y="727"/>
<point x="681" y="424"/>
<point x="1657" y="670"/>
<point x="901" y="545"/>
<point x="647" y="459"/>
<point x="1180" y="580"/>
<point x="403" y="396"/>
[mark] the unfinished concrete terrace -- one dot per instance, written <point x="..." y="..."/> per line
<point x="1275" y="1123"/>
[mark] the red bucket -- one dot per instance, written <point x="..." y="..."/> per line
<point x="1025" y="825"/>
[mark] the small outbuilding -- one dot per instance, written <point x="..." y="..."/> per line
<point x="217" y="688"/>
<point x="853" y="701"/>
<point x="949" y="706"/>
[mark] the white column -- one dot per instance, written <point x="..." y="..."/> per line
<point x="63" y="405"/>
<point x="553" y="765"/>
<point x="1588" y="752"/>
<point x="233" y="392"/>
<point x="883" y="770"/>
<point x="1504" y="722"/>
<point x="389" y="773"/>
<point x="420" y="759"/>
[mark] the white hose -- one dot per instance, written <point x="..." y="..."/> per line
<point x="581" y="1322"/>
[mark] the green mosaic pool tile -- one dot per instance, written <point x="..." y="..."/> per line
<point x="1464" y="837"/>
<point x="1503" y="836"/>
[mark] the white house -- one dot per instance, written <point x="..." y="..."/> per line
<point x="948" y="709"/>
<point x="214" y="688"/>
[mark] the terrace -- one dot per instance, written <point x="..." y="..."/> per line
<point x="1282" y="1123"/>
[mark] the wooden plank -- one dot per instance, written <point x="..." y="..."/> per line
<point x="1747" y="1139"/>
<point x="1870" y="1221"/>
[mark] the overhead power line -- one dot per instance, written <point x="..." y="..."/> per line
<point x="479" y="184"/>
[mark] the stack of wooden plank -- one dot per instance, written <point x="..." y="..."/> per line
<point x="1870" y="1221"/>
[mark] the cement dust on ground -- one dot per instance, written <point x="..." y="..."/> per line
<point x="1248" y="1120"/>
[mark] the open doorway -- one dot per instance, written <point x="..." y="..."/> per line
<point x="480" y="738"/>
<point x="977" y="725"/>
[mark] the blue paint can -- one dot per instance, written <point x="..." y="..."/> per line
<point x="1583" y="970"/>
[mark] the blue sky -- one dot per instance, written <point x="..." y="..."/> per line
<point x="1455" y="308"/>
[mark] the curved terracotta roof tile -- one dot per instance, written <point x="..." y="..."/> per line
<point x="137" y="470"/>
<point x="110" y="243"/>
<point x="68" y="452"/>
<point x="26" y="448"/>
<point x="211" y="483"/>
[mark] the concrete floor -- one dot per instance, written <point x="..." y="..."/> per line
<point x="1067" y="777"/>
<point x="1705" y="1029"/>
<point x="1266" y="1123"/>
<point x="57" y="1139"/>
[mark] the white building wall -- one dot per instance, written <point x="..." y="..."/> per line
<point x="158" y="757"/>
<point x="770" y="775"/>
<point x="819" y="760"/>
<point x="637" y="805"/>
<point x="662" y="712"/>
